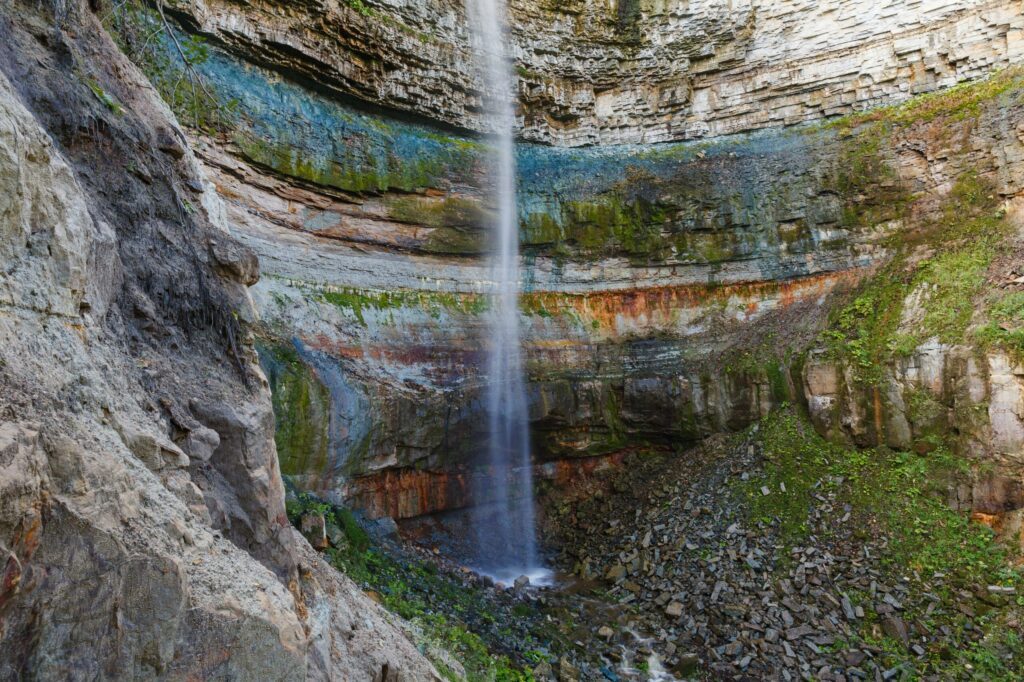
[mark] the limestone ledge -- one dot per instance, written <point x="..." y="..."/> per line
<point x="592" y="72"/>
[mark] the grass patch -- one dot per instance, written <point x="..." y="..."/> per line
<point x="445" y="613"/>
<point x="957" y="103"/>
<point x="948" y="283"/>
<point x="1005" y="325"/>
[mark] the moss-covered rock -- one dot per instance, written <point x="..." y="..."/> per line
<point x="302" y="412"/>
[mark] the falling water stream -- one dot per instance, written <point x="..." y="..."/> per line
<point x="506" y="535"/>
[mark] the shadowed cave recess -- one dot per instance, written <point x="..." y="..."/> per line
<point x="515" y="340"/>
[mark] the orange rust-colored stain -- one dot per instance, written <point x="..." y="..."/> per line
<point x="408" y="493"/>
<point x="993" y="521"/>
<point x="569" y="471"/>
<point x="10" y="579"/>
<point x="405" y="493"/>
<point x="606" y="307"/>
<point x="29" y="534"/>
<point x="650" y="307"/>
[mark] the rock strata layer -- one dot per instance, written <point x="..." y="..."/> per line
<point x="659" y="282"/>
<point x="631" y="71"/>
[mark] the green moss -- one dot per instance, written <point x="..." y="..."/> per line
<point x="433" y="212"/>
<point x="360" y="175"/>
<point x="948" y="284"/>
<point x="904" y="494"/>
<point x="710" y="247"/>
<point x="302" y="409"/>
<point x="291" y="160"/>
<point x="357" y="301"/>
<point x="605" y="226"/>
<point x="865" y="178"/>
<point x="769" y="362"/>
<point x="960" y="102"/>
<point x="456" y="241"/>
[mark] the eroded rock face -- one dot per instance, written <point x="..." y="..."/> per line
<point x="652" y="275"/>
<point x="631" y="71"/>
<point x="142" y="525"/>
<point x="655" y="275"/>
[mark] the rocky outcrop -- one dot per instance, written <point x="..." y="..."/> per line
<point x="938" y="390"/>
<point x="593" y="72"/>
<point x="142" y="525"/>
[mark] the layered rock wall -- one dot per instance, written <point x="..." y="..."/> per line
<point x="630" y="71"/>
<point x="661" y="281"/>
<point x="654" y="271"/>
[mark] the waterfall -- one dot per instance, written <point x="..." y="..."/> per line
<point x="506" y="536"/>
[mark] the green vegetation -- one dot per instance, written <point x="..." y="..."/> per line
<point x="899" y="497"/>
<point x="302" y="408"/>
<point x="769" y="360"/>
<point x="350" y="175"/>
<point x="370" y="12"/>
<point x="109" y="102"/>
<point x="170" y="62"/>
<point x="458" y="222"/>
<point x="865" y="178"/>
<point x="357" y="301"/>
<point x="361" y="7"/>
<point x="603" y="226"/>
<point x="417" y="592"/>
<point x="1005" y="326"/>
<point x="438" y="212"/>
<point x="942" y="266"/>
<point x="960" y="102"/>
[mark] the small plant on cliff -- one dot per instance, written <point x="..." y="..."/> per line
<point x="108" y="101"/>
<point x="361" y="7"/>
<point x="940" y="268"/>
<point x="170" y="60"/>
<point x="1005" y="327"/>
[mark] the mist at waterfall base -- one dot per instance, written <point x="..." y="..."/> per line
<point x="506" y="543"/>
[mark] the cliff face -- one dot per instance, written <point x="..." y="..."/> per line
<point x="866" y="268"/>
<point x="657" y="309"/>
<point x="142" y="524"/>
<point x="672" y="291"/>
<point x="629" y="71"/>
